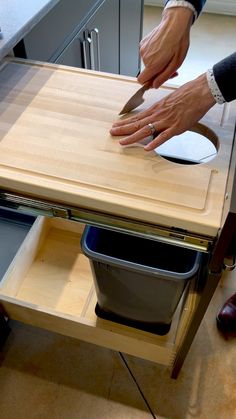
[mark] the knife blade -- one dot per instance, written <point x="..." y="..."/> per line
<point x="135" y="100"/>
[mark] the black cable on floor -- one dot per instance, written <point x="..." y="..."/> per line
<point x="137" y="385"/>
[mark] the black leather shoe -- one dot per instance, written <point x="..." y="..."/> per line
<point x="226" y="319"/>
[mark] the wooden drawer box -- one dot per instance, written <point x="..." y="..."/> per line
<point x="49" y="284"/>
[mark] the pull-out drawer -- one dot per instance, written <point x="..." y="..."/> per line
<point x="49" y="284"/>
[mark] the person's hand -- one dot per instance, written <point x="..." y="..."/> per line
<point x="165" y="48"/>
<point x="172" y="115"/>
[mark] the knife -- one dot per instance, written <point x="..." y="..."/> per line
<point x="135" y="100"/>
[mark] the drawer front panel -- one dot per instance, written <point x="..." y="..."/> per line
<point x="109" y="336"/>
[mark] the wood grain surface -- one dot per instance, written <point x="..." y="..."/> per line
<point x="55" y="145"/>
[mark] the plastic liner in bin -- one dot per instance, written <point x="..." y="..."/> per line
<point x="138" y="282"/>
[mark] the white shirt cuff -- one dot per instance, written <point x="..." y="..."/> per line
<point x="182" y="3"/>
<point x="213" y="86"/>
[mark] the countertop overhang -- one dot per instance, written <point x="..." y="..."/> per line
<point x="17" y="18"/>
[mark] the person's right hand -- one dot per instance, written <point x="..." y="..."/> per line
<point x="165" y="48"/>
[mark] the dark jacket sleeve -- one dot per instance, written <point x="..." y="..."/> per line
<point x="197" y="4"/>
<point x="225" y="77"/>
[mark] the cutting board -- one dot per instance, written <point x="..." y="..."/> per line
<point x="55" y="145"/>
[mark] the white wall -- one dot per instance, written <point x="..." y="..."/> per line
<point x="214" y="6"/>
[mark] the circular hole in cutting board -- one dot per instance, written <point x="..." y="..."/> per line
<point x="191" y="147"/>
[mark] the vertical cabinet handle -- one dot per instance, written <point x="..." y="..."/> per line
<point x="85" y="55"/>
<point x="91" y="50"/>
<point x="94" y="34"/>
<point x="98" y="49"/>
<point x="86" y="50"/>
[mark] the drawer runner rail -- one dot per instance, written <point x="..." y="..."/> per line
<point x="171" y="235"/>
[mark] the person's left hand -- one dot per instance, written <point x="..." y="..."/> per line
<point x="172" y="115"/>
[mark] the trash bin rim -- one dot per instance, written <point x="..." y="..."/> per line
<point x="148" y="270"/>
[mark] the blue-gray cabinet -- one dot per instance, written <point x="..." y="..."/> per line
<point x="96" y="45"/>
<point x="95" y="34"/>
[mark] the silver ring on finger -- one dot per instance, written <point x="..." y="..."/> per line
<point x="153" y="129"/>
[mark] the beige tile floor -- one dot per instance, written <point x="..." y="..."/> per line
<point x="47" y="376"/>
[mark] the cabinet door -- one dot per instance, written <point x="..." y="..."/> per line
<point x="131" y="19"/>
<point x="81" y="51"/>
<point x="50" y="34"/>
<point x="106" y="21"/>
<point x="73" y="54"/>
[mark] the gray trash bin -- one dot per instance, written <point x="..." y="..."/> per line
<point x="138" y="282"/>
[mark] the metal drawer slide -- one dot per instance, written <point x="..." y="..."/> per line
<point x="164" y="234"/>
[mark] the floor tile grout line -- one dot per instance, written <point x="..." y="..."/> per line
<point x="137" y="385"/>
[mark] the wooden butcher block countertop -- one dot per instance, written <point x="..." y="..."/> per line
<point x="55" y="145"/>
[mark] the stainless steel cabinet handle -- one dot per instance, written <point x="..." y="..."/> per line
<point x="86" y="49"/>
<point x="98" y="49"/>
<point x="95" y="48"/>
<point x="93" y="51"/>
<point x="85" y="55"/>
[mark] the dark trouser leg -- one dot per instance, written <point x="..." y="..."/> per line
<point x="4" y="330"/>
